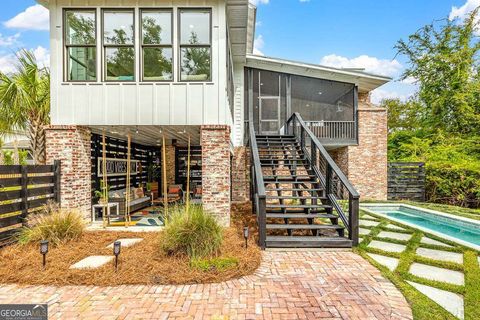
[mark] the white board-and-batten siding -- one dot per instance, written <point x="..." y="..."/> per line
<point x="139" y="103"/>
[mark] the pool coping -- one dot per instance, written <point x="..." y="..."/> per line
<point x="366" y="206"/>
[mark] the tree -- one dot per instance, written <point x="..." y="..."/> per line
<point x="445" y="62"/>
<point x="25" y="102"/>
<point x="402" y="116"/>
<point x="196" y="60"/>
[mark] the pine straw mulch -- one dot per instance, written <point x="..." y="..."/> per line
<point x="143" y="263"/>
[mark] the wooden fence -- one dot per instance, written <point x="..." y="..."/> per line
<point x="24" y="189"/>
<point x="406" y="181"/>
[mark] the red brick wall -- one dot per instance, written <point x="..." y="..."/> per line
<point x="367" y="162"/>
<point x="71" y="145"/>
<point x="215" y="141"/>
<point x="241" y="175"/>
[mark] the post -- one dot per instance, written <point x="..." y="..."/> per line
<point x="353" y="207"/>
<point x="24" y="171"/>
<point x="328" y="179"/>
<point x="57" y="173"/>
<point x="262" y="236"/>
<point x="302" y="137"/>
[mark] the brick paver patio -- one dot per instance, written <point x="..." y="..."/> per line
<point x="288" y="285"/>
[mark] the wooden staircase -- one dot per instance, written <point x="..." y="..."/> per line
<point x="298" y="212"/>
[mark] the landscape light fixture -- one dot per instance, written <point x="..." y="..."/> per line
<point x="245" y="235"/>
<point x="44" y="251"/>
<point x="116" y="252"/>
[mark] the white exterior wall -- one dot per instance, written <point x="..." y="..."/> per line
<point x="239" y="105"/>
<point x="137" y="103"/>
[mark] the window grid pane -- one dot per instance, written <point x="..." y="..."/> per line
<point x="120" y="63"/>
<point x="118" y="27"/>
<point x="82" y="64"/>
<point x="157" y="64"/>
<point x="195" y="64"/>
<point x="195" y="27"/>
<point x="80" y="27"/>
<point x="157" y="27"/>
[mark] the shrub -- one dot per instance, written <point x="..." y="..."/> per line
<point x="53" y="224"/>
<point x="195" y="233"/>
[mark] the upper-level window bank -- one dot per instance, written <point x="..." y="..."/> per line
<point x="142" y="39"/>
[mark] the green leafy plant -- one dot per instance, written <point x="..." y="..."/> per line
<point x="193" y="232"/>
<point x="100" y="194"/>
<point x="55" y="224"/>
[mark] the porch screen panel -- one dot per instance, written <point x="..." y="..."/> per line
<point x="80" y="45"/>
<point x="317" y="99"/>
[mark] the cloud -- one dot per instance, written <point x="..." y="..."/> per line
<point x="378" y="95"/>
<point x="33" y="18"/>
<point x="383" y="67"/>
<point x="9" y="41"/>
<point x="258" y="45"/>
<point x="463" y="11"/>
<point x="8" y="61"/>
<point x="257" y="2"/>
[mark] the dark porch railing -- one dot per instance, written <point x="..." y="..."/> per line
<point x="340" y="192"/>
<point x="334" y="132"/>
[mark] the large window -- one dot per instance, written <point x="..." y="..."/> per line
<point x="157" y="63"/>
<point x="80" y="45"/>
<point x="118" y="43"/>
<point x="195" y="45"/>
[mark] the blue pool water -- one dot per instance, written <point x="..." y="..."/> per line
<point x="462" y="230"/>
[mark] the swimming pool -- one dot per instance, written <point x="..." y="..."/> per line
<point x="459" y="229"/>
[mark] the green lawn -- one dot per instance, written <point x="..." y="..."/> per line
<point x="423" y="308"/>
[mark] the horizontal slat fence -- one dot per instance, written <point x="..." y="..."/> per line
<point x="24" y="189"/>
<point x="406" y="181"/>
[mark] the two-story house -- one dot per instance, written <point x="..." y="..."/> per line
<point x="184" y="69"/>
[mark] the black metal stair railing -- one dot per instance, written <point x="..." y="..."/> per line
<point x="341" y="195"/>
<point x="257" y="186"/>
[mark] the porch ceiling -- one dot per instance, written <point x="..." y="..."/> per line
<point x="152" y="135"/>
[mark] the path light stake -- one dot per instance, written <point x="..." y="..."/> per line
<point x="44" y="251"/>
<point x="245" y="235"/>
<point x="116" y="251"/>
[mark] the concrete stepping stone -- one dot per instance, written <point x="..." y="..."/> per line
<point x="389" y="262"/>
<point x="451" y="302"/>
<point x="387" y="246"/>
<point x="427" y="240"/>
<point x="92" y="262"/>
<point x="128" y="242"/>
<point x="369" y="223"/>
<point x="364" y="231"/>
<point x="366" y="216"/>
<point x="394" y="235"/>
<point x="437" y="274"/>
<point x="392" y="226"/>
<point x="440" y="255"/>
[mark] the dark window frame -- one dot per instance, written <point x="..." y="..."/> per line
<point x="180" y="45"/>
<point x="106" y="46"/>
<point x="67" y="46"/>
<point x="155" y="46"/>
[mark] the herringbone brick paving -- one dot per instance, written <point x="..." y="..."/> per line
<point x="288" y="285"/>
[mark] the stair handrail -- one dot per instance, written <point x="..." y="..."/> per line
<point x="331" y="169"/>
<point x="259" y="197"/>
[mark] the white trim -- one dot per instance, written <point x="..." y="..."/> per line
<point x="414" y="226"/>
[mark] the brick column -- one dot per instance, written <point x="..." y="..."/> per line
<point x="71" y="145"/>
<point x="367" y="162"/>
<point x="241" y="175"/>
<point x="215" y="141"/>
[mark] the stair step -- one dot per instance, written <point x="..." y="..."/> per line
<point x="271" y="226"/>
<point x="295" y="189"/>
<point x="300" y="216"/>
<point x="295" y="176"/>
<point x="298" y="206"/>
<point x="307" y="242"/>
<point x="295" y="197"/>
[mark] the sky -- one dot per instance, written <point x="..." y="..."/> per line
<point x="337" y="33"/>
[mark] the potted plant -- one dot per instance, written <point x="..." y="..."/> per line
<point x="101" y="194"/>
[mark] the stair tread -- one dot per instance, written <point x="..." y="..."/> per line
<point x="304" y="226"/>
<point x="301" y="215"/>
<point x="294" y="189"/>
<point x="303" y="206"/>
<point x="296" y="197"/>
